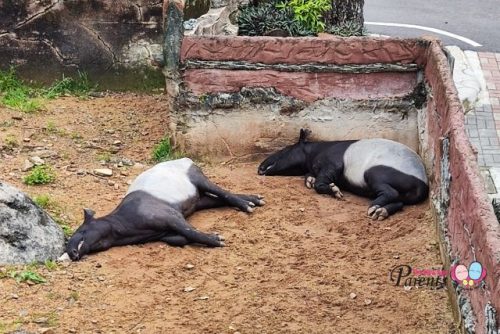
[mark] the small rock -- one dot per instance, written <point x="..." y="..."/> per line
<point x="47" y="331"/>
<point x="302" y="209"/>
<point x="27" y="165"/>
<point x="64" y="258"/>
<point x="138" y="165"/>
<point x="117" y="142"/>
<point x="17" y="118"/>
<point x="124" y="173"/>
<point x="100" y="278"/>
<point x="103" y="172"/>
<point x="407" y="288"/>
<point x="111" y="183"/>
<point x="110" y="131"/>
<point x="189" y="266"/>
<point x="37" y="160"/>
<point x="94" y="321"/>
<point x="201" y="298"/>
<point x="352" y="295"/>
<point x="14" y="296"/>
<point x="189" y="289"/>
<point x="41" y="320"/>
<point x="72" y="330"/>
<point x="368" y="301"/>
<point x="26" y="140"/>
<point x="23" y="313"/>
<point x="81" y="172"/>
<point x="396" y="256"/>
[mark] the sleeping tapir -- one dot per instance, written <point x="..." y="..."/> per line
<point x="154" y="209"/>
<point x="382" y="169"/>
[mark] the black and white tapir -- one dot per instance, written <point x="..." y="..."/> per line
<point x="154" y="209"/>
<point x="382" y="169"/>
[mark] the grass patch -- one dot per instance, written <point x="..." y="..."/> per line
<point x="51" y="265"/>
<point x="163" y="151"/>
<point x="56" y="212"/>
<point x="67" y="86"/>
<point x="104" y="157"/>
<point x="42" y="174"/>
<point x="28" y="276"/>
<point x="11" y="141"/>
<point x="16" y="94"/>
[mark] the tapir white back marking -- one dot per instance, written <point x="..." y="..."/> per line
<point x="168" y="181"/>
<point x="367" y="153"/>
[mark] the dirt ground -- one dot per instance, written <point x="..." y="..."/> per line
<point x="290" y="267"/>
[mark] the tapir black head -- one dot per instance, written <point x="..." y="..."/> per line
<point x="89" y="237"/>
<point x="289" y="161"/>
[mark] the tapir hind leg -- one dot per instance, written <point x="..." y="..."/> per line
<point x="181" y="227"/>
<point x="385" y="203"/>
<point x="205" y="186"/>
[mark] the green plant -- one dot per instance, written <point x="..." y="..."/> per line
<point x="75" y="295"/>
<point x="28" y="275"/>
<point x="50" y="264"/>
<point x="43" y="201"/>
<point x="350" y="28"/>
<point x="309" y="12"/>
<point x="11" y="141"/>
<point x="104" y="156"/>
<point x="266" y="19"/>
<point x="42" y="174"/>
<point x="163" y="151"/>
<point x="79" y="86"/>
<point x="14" y="93"/>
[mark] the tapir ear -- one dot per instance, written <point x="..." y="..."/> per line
<point x="304" y="133"/>
<point x="88" y="214"/>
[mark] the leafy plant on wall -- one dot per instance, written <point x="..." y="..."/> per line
<point x="308" y="12"/>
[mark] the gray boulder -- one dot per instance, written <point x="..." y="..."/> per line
<point x="27" y="233"/>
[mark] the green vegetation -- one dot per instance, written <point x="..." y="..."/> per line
<point x="308" y="12"/>
<point x="11" y="141"/>
<point x="75" y="295"/>
<point x="80" y="86"/>
<point x="350" y="28"/>
<point x="267" y="19"/>
<point x="45" y="202"/>
<point x="27" y="276"/>
<point x="42" y="174"/>
<point x="50" y="265"/>
<point x="104" y="156"/>
<point x="164" y="151"/>
<point x="16" y="94"/>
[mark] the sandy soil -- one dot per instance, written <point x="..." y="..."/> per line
<point x="290" y="267"/>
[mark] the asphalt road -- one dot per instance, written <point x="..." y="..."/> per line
<point x="478" y="21"/>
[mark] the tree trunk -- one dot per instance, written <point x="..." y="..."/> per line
<point x="346" y="12"/>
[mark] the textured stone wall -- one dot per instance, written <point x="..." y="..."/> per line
<point x="118" y="43"/>
<point x="469" y="228"/>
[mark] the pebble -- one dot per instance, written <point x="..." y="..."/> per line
<point x="27" y="165"/>
<point x="368" y="301"/>
<point x="81" y="172"/>
<point x="26" y="140"/>
<point x="103" y="172"/>
<point x="189" y="289"/>
<point x="189" y="266"/>
<point x="41" y="320"/>
<point x="37" y="160"/>
<point x="201" y="298"/>
<point x="302" y="209"/>
<point x="17" y="118"/>
<point x="14" y="296"/>
<point x="352" y="295"/>
<point x="117" y="142"/>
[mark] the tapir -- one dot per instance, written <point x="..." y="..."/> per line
<point x="154" y="209"/>
<point x="387" y="171"/>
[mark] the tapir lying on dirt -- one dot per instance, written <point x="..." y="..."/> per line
<point x="154" y="209"/>
<point x="382" y="169"/>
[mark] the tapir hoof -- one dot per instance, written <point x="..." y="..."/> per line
<point x="379" y="213"/>
<point x="372" y="209"/>
<point x="310" y="180"/>
<point x="336" y="191"/>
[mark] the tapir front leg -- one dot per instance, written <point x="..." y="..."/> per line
<point x="186" y="231"/>
<point x="325" y="182"/>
